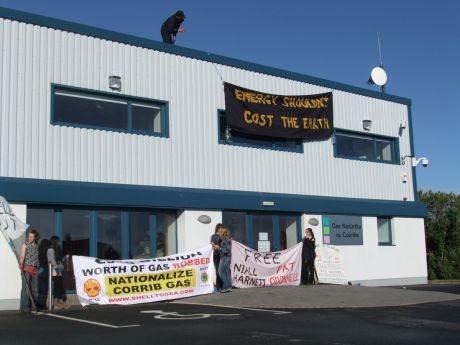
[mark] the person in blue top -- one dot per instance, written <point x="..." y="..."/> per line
<point x="215" y="243"/>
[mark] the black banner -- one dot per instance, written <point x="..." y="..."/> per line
<point x="300" y="117"/>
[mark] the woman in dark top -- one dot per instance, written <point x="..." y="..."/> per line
<point x="43" y="273"/>
<point x="225" y="259"/>
<point x="55" y="259"/>
<point x="308" y="257"/>
<point x="215" y="243"/>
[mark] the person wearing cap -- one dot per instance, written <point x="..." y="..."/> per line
<point x="171" y="27"/>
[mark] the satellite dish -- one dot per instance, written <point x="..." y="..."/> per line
<point x="378" y="76"/>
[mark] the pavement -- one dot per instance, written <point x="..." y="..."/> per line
<point x="323" y="296"/>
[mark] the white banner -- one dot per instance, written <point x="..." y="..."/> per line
<point x="329" y="265"/>
<point x="141" y="281"/>
<point x="11" y="227"/>
<point x="251" y="268"/>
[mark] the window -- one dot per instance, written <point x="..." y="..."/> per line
<point x="109" y="235"/>
<point x="166" y="234"/>
<point x="366" y="147"/>
<point x="288" y="231"/>
<point x="233" y="137"/>
<point x="75" y="231"/>
<point x="42" y="220"/>
<point x="236" y="222"/>
<point x="139" y="232"/>
<point x="263" y="230"/>
<point x="91" y="109"/>
<point x="384" y="231"/>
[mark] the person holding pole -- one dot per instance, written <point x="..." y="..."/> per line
<point x="28" y="264"/>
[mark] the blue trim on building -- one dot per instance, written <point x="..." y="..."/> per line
<point x="53" y="192"/>
<point x="163" y="105"/>
<point x="395" y="140"/>
<point x="412" y="153"/>
<point x="191" y="53"/>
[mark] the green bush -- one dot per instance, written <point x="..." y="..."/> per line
<point x="442" y="231"/>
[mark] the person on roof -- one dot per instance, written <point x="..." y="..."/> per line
<point x="171" y="27"/>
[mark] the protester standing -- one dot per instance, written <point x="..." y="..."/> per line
<point x="171" y="27"/>
<point x="28" y="264"/>
<point x="308" y="257"/>
<point x="43" y="273"/>
<point x="225" y="250"/>
<point x="55" y="259"/>
<point x="215" y="243"/>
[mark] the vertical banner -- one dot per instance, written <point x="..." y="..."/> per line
<point x="12" y="227"/>
<point x="251" y="268"/>
<point x="141" y="281"/>
<point x="329" y="265"/>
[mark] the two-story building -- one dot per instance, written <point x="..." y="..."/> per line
<point x="119" y="145"/>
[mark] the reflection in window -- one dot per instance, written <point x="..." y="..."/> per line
<point x="109" y="235"/>
<point x="75" y="230"/>
<point x="263" y="224"/>
<point x="41" y="219"/>
<point x="365" y="147"/>
<point x="288" y="231"/>
<point x="291" y="145"/>
<point x="146" y="117"/>
<point x="139" y="232"/>
<point x="236" y="223"/>
<point x="166" y="234"/>
<point x="384" y="231"/>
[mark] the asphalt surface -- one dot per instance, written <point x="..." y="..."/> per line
<point x="178" y="323"/>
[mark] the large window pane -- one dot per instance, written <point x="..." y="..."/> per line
<point x="236" y="223"/>
<point x="84" y="109"/>
<point x="166" y="234"/>
<point x="41" y="219"/>
<point x="146" y="117"/>
<point x="385" y="151"/>
<point x="139" y="230"/>
<point x="288" y="231"/>
<point x="384" y="230"/>
<point x="263" y="228"/>
<point x="75" y="230"/>
<point x="355" y="147"/>
<point x="109" y="235"/>
<point x="236" y="137"/>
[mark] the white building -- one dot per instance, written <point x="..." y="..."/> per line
<point x="121" y="174"/>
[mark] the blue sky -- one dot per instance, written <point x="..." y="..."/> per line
<point x="334" y="40"/>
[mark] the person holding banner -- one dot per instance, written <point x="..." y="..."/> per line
<point x="308" y="257"/>
<point x="225" y="250"/>
<point x="215" y="243"/>
<point x="28" y="263"/>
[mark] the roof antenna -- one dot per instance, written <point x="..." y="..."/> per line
<point x="378" y="74"/>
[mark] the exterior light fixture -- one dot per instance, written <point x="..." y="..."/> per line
<point x="115" y="82"/>
<point x="204" y="218"/>
<point x="367" y="125"/>
<point x="268" y="203"/>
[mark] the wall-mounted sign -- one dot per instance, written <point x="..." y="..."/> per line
<point x="342" y="230"/>
<point x="258" y="113"/>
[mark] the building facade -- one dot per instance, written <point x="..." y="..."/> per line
<point x="126" y="173"/>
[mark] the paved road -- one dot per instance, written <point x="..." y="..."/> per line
<point x="172" y="323"/>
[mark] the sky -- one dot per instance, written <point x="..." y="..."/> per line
<point x="334" y="39"/>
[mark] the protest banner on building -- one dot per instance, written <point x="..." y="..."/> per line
<point x="251" y="268"/>
<point x="141" y="281"/>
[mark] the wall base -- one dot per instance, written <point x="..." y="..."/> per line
<point x="9" y="304"/>
<point x="392" y="281"/>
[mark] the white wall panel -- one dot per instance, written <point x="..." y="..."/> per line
<point x="35" y="57"/>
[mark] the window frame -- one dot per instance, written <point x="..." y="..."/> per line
<point x="374" y="137"/>
<point x="130" y="100"/>
<point x="222" y="141"/>
<point x="390" y="241"/>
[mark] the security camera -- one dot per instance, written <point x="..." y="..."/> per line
<point x="425" y="162"/>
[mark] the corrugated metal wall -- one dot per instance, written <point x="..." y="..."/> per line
<point x="33" y="57"/>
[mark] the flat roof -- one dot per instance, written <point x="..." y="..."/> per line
<point x="109" y="35"/>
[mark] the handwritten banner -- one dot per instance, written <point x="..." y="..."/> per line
<point x="329" y="265"/>
<point x="141" y="281"/>
<point x="301" y="117"/>
<point x="251" y="268"/>
<point x="12" y="227"/>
